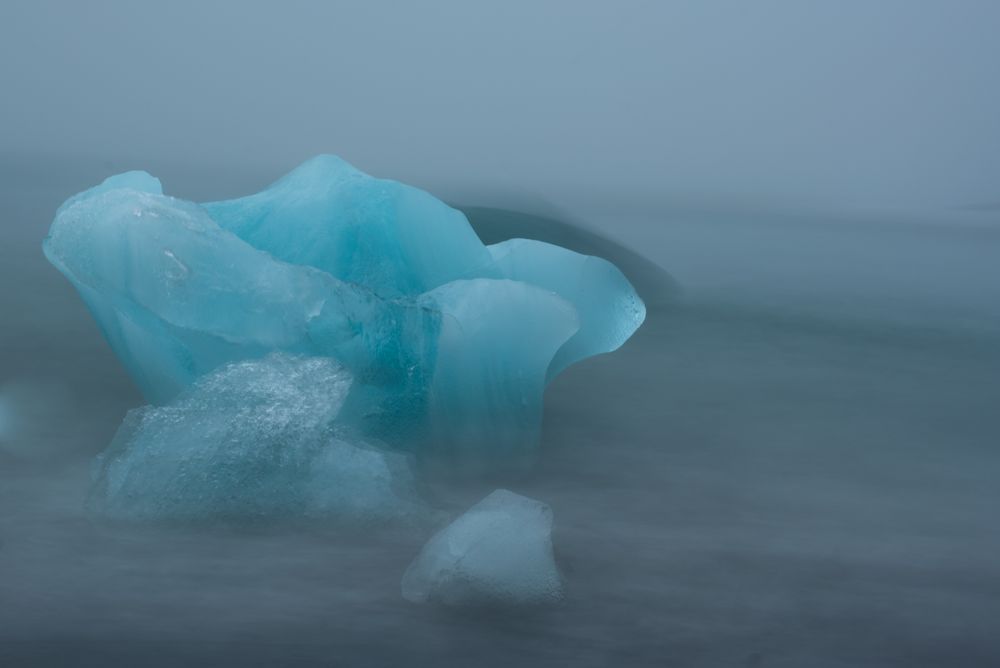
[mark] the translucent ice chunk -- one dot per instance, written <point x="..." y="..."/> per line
<point x="252" y="440"/>
<point x="497" y="339"/>
<point x="450" y="343"/>
<point x="498" y="552"/>
<point x="607" y="305"/>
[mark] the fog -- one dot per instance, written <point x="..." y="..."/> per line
<point x="794" y="461"/>
<point x="849" y="105"/>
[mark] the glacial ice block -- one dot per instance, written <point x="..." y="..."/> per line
<point x="450" y="342"/>
<point x="253" y="440"/>
<point x="498" y="552"/>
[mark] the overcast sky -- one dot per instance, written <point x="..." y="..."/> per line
<point x="839" y="104"/>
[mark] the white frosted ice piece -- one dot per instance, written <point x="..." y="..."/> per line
<point x="252" y="440"/>
<point x="497" y="552"/>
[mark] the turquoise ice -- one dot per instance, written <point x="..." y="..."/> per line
<point x="449" y="342"/>
<point x="393" y="239"/>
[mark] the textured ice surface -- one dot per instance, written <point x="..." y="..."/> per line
<point x="497" y="552"/>
<point x="252" y="440"/>
<point x="450" y="342"/>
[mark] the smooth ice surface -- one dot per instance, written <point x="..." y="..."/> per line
<point x="471" y="401"/>
<point x="390" y="237"/>
<point x="252" y="440"/>
<point x="607" y="306"/>
<point x="450" y="342"/>
<point x="497" y="552"/>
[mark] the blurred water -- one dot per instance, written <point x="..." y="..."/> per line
<point x="794" y="464"/>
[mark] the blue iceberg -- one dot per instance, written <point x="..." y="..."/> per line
<point x="449" y="342"/>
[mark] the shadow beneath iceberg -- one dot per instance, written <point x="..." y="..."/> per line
<point x="493" y="225"/>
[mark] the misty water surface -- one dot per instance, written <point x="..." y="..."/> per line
<point x="793" y="462"/>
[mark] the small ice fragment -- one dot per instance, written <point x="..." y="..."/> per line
<point x="498" y="552"/>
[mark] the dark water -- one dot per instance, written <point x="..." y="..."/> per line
<point x="745" y="483"/>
